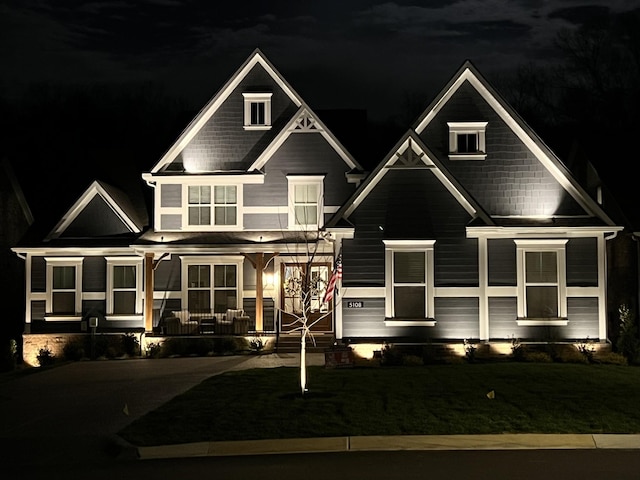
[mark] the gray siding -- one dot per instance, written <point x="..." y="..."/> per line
<point x="170" y="195"/>
<point x="268" y="313"/>
<point x="502" y="262"/>
<point x="301" y="153"/>
<point x="582" y="262"/>
<point x="583" y="318"/>
<point x="167" y="275"/>
<point x="510" y="181"/>
<point x="364" y="322"/>
<point x="96" y="219"/>
<point x="94" y="274"/>
<point x="38" y="274"/>
<point x="171" y="222"/>
<point x="266" y="221"/>
<point x="223" y="143"/>
<point x="503" y="312"/>
<point x="456" y="318"/>
<point x="94" y="308"/>
<point x="38" y="310"/>
<point x="410" y="204"/>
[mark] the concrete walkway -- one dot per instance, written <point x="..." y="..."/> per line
<point x="381" y="443"/>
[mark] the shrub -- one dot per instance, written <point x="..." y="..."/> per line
<point x="587" y="350"/>
<point x="517" y="350"/>
<point x="612" y="358"/>
<point x="45" y="357"/>
<point x="391" y="355"/>
<point x="628" y="343"/>
<point x="572" y="355"/>
<point x="74" y="350"/>
<point x="412" y="360"/>
<point x="256" y="345"/>
<point x="538" y="357"/>
<point x="153" y="350"/>
<point x="469" y="351"/>
<point x="8" y="355"/>
<point x="130" y="345"/>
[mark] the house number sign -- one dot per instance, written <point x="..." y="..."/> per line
<point x="355" y="304"/>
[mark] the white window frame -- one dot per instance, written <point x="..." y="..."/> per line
<point x="52" y="262"/>
<point x="255" y="98"/>
<point x="298" y="180"/>
<point x="466" y="128"/>
<point x="427" y="248"/>
<point x="559" y="247"/>
<point x="212" y="261"/>
<point x="199" y="205"/>
<point x="126" y="262"/>
<point x="212" y="226"/>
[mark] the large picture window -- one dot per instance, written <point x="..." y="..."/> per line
<point x="64" y="287"/>
<point x="212" y="284"/>
<point x="409" y="282"/>
<point x="541" y="282"/>
<point x="212" y="205"/>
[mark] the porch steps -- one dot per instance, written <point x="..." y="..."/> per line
<point x="290" y="343"/>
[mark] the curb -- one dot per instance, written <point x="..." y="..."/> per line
<point x="389" y="443"/>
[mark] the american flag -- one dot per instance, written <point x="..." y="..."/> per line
<point x="337" y="273"/>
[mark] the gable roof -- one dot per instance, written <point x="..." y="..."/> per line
<point x="115" y="199"/>
<point x="468" y="73"/>
<point x="256" y="58"/>
<point x="410" y="153"/>
<point x="304" y="121"/>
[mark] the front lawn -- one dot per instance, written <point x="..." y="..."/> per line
<point x="421" y="400"/>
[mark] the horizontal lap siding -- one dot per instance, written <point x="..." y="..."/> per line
<point x="94" y="274"/>
<point x="503" y="312"/>
<point x="302" y="154"/>
<point x="268" y="315"/>
<point x="38" y="274"/>
<point x="171" y="195"/>
<point x="37" y="309"/>
<point x="167" y="275"/>
<point x="582" y="314"/>
<point x="364" y="322"/>
<point x="583" y="318"/>
<point x="170" y="222"/>
<point x="456" y="262"/>
<point x="456" y="318"/>
<point x="582" y="262"/>
<point x="502" y="262"/>
<point x="265" y="221"/>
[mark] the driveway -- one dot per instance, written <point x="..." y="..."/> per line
<point x="70" y="414"/>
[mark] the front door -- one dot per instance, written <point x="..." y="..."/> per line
<point x="302" y="291"/>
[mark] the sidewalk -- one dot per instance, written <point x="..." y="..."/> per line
<point x="379" y="443"/>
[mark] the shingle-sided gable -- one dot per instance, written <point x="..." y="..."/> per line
<point x="101" y="211"/>
<point x="216" y="139"/>
<point x="410" y="155"/>
<point x="519" y="176"/>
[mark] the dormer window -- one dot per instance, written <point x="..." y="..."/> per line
<point x="467" y="140"/>
<point x="257" y="111"/>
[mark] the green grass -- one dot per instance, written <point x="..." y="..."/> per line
<point x="438" y="399"/>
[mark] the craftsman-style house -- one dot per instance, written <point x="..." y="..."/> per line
<point x="469" y="228"/>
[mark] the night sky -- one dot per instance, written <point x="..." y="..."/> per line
<point x="390" y="58"/>
<point x="335" y="53"/>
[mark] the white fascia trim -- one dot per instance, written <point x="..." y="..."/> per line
<point x="551" y="166"/>
<point x="542" y="323"/>
<point x="240" y="178"/>
<point x="277" y="142"/>
<point x="94" y="189"/>
<point x="74" y="251"/>
<point x="428" y="162"/>
<point x="397" y="245"/>
<point x="207" y="112"/>
<point x="536" y="232"/>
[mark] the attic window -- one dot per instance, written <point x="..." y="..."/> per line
<point x="467" y="140"/>
<point x="257" y="111"/>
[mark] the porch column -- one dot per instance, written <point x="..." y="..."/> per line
<point x="148" y="292"/>
<point x="259" y="292"/>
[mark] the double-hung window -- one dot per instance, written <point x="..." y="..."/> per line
<point x="305" y="201"/>
<point x="542" y="298"/>
<point x="467" y="140"/>
<point x="212" y="284"/>
<point x="199" y="205"/>
<point x="124" y="286"/>
<point x="257" y="111"/>
<point x="223" y="202"/>
<point x="409" y="282"/>
<point x="64" y="287"/>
